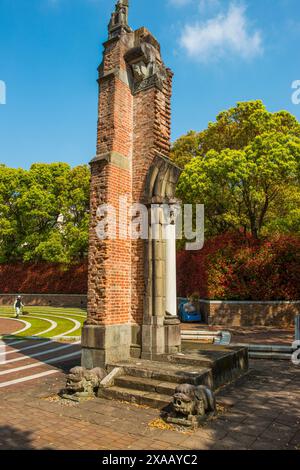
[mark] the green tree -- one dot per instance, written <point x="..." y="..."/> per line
<point x="44" y="213"/>
<point x="10" y="183"/>
<point x="185" y="148"/>
<point x="245" y="169"/>
<point x="234" y="129"/>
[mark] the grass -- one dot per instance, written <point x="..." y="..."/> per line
<point x="52" y="313"/>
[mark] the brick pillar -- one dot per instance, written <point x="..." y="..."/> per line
<point x="107" y="332"/>
<point x="134" y="119"/>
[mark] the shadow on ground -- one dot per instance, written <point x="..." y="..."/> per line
<point x="39" y="354"/>
<point x="263" y="414"/>
<point x="13" y="439"/>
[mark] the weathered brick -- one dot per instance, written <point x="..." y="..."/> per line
<point x="137" y="126"/>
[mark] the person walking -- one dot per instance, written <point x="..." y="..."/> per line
<point x="18" y="306"/>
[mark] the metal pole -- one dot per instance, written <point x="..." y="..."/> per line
<point x="297" y="328"/>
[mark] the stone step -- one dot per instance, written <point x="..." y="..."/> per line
<point x="165" y="372"/>
<point x="201" y="333"/>
<point x="270" y="355"/>
<point x="146" y="385"/>
<point x="268" y="348"/>
<point x="190" y="359"/>
<point x="139" y="397"/>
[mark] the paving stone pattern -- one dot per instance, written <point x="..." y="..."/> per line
<point x="263" y="413"/>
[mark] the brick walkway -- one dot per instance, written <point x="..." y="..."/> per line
<point x="7" y="326"/>
<point x="23" y="361"/>
<point x="264" y="414"/>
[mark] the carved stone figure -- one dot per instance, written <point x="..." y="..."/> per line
<point x="192" y="400"/>
<point x="83" y="383"/>
<point x="146" y="65"/>
<point x="141" y="71"/>
<point x="191" y="404"/>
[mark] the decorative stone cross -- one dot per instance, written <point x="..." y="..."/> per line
<point x="119" y="19"/>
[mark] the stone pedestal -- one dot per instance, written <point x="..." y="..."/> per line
<point x="172" y="335"/>
<point x="161" y="336"/>
<point x="105" y="344"/>
<point x="153" y="338"/>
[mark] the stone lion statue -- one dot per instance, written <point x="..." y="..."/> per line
<point x="82" y="382"/>
<point x="191" y="400"/>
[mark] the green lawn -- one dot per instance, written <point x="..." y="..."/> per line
<point x="67" y="319"/>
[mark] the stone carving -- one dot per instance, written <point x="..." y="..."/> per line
<point x="83" y="383"/>
<point x="146" y="75"/>
<point x="141" y="71"/>
<point x="119" y="19"/>
<point x="191" y="405"/>
<point x="146" y="66"/>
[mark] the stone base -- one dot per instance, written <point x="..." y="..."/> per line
<point x="172" y="335"/>
<point x="162" y="336"/>
<point x="76" y="398"/>
<point x="153" y="382"/>
<point x="102" y="345"/>
<point x="191" y="421"/>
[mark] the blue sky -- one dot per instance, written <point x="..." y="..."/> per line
<point x="220" y="51"/>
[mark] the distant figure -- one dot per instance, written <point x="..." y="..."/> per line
<point x="18" y="306"/>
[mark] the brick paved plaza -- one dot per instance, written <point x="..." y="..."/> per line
<point x="263" y="413"/>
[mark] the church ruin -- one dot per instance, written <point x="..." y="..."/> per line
<point x="132" y="309"/>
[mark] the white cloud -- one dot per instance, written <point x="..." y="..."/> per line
<point x="225" y="34"/>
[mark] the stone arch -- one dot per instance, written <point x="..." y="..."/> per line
<point x="160" y="331"/>
<point x="161" y="181"/>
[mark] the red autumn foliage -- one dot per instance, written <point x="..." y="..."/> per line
<point x="234" y="267"/>
<point x="43" y="278"/>
<point x="229" y="267"/>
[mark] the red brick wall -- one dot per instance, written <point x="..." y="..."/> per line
<point x="275" y="314"/>
<point x="135" y="126"/>
<point x="109" y="296"/>
<point x="115" y="103"/>
<point x="152" y="132"/>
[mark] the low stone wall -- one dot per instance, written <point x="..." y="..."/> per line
<point x="250" y="313"/>
<point x="50" y="300"/>
<point x="225" y="313"/>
